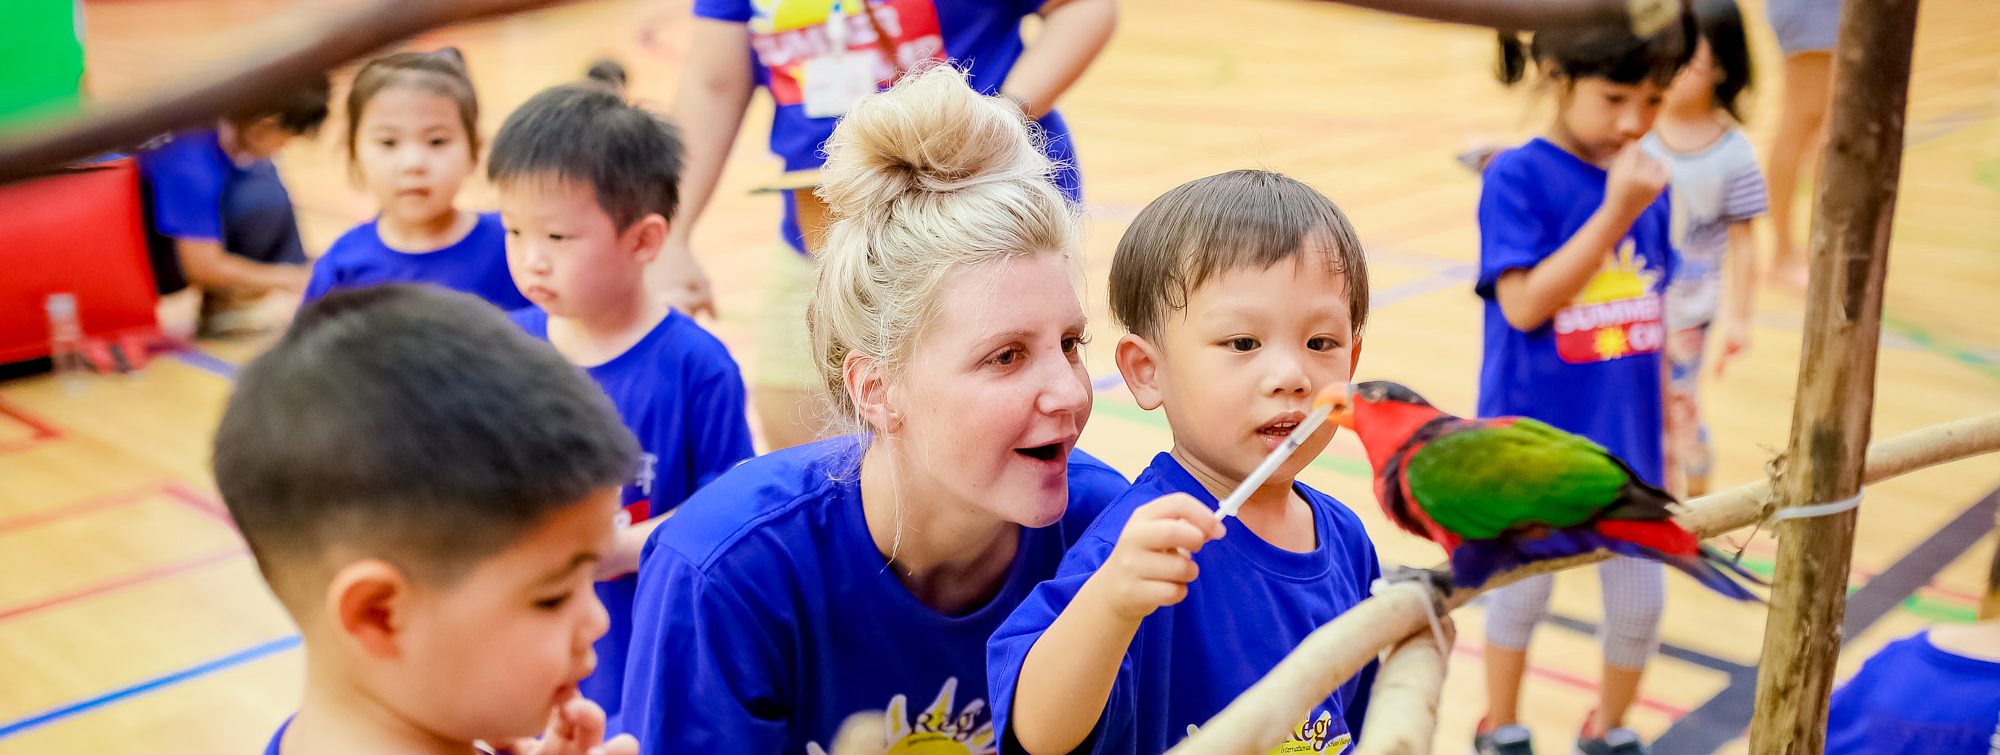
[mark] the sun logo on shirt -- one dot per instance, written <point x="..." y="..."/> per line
<point x="939" y="729"/>
<point x="1623" y="276"/>
<point x="1312" y="736"/>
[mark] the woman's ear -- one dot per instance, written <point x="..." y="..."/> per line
<point x="368" y="602"/>
<point x="868" y="388"/>
<point x="1139" y="362"/>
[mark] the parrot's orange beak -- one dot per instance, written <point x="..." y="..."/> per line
<point x="1341" y="399"/>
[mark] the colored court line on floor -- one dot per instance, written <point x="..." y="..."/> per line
<point x="1725" y="716"/>
<point x="1924" y="340"/>
<point x="206" y="362"/>
<point x="121" y="582"/>
<point x="201" y="503"/>
<point x="1468" y="650"/>
<point x="88" y="505"/>
<point x="205" y="668"/>
<point x="40" y="431"/>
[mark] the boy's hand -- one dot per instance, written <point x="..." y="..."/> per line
<point x="576" y="727"/>
<point x="1735" y="341"/>
<point x="1153" y="561"/>
<point x="1634" y="180"/>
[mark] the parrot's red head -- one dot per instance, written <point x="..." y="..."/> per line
<point x="1384" y="415"/>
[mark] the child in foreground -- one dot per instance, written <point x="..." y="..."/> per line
<point x="427" y="491"/>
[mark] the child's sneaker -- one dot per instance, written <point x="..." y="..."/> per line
<point x="1619" y="741"/>
<point x="1507" y="740"/>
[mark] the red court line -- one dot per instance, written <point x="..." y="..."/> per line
<point x="41" y="430"/>
<point x="58" y="513"/>
<point x="1673" y="712"/>
<point x="202" y="503"/>
<point x="118" y="583"/>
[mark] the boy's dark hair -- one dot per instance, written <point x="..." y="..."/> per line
<point x="1209" y="226"/>
<point x="1721" y="23"/>
<point x="411" y="424"/>
<point x="584" y="132"/>
<point x="299" y="111"/>
<point x="441" y="73"/>
<point x="1601" y="51"/>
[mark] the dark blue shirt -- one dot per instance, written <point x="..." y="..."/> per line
<point x="1594" y="368"/>
<point x="766" y="615"/>
<point x="476" y="264"/>
<point x="1914" y="697"/>
<point x="981" y="36"/>
<point x="1252" y="603"/>
<point x="681" y="395"/>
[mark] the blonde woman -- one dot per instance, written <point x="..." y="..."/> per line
<point x="866" y="572"/>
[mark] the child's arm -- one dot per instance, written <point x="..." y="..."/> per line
<point x="206" y="265"/>
<point x="625" y="547"/>
<point x="1067" y="676"/>
<point x="1742" y="287"/>
<point x="715" y="90"/>
<point x="1073" y="32"/>
<point x="1530" y="296"/>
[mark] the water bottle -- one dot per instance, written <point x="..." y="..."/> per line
<point x="66" y="342"/>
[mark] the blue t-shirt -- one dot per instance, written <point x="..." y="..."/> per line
<point x="1894" y="703"/>
<point x="476" y="264"/>
<point x="1252" y="604"/>
<point x="187" y="176"/>
<point x="983" y="36"/>
<point x="766" y="616"/>
<point x="1594" y="368"/>
<point x="681" y="395"/>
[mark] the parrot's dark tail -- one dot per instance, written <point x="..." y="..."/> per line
<point x="1476" y="561"/>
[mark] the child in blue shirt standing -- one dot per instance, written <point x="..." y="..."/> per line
<point x="587" y="188"/>
<point x="1574" y="257"/>
<point x="413" y="137"/>
<point x="1244" y="294"/>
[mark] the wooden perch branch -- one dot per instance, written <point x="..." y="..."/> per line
<point x="1259" y="719"/>
<point x="259" y="77"/>
<point x="1403" y="711"/>
<point x="1644" y="16"/>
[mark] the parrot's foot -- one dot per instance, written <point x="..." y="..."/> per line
<point x="1438" y="580"/>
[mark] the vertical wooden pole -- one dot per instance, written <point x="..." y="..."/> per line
<point x="1853" y="209"/>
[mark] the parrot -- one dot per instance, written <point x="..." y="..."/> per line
<point x="1501" y="492"/>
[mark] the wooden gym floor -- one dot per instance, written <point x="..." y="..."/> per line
<point x="131" y="614"/>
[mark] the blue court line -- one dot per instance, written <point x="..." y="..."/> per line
<point x="206" y="362"/>
<point x="87" y="705"/>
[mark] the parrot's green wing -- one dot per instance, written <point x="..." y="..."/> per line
<point x="1486" y="477"/>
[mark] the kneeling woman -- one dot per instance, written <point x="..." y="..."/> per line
<point x="866" y="572"/>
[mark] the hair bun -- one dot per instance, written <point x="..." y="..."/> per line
<point x="929" y="134"/>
